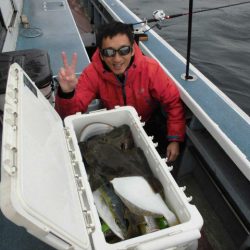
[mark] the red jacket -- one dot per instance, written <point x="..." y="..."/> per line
<point x="145" y="85"/>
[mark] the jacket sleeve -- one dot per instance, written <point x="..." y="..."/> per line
<point x="79" y="99"/>
<point x="166" y="92"/>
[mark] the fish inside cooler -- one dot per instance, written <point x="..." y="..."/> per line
<point x="116" y="167"/>
<point x="146" y="203"/>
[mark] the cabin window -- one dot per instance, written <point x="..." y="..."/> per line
<point x="3" y="32"/>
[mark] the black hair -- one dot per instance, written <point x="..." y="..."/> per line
<point x="112" y="29"/>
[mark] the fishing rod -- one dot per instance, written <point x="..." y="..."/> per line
<point x="159" y="15"/>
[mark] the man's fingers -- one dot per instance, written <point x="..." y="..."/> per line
<point x="74" y="61"/>
<point x="172" y="151"/>
<point x="168" y="154"/>
<point x="64" y="59"/>
<point x="172" y="158"/>
<point x="62" y="72"/>
<point x="62" y="75"/>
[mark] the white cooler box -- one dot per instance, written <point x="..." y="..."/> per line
<point x="44" y="184"/>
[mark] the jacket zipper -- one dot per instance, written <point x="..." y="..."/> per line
<point x="124" y="93"/>
<point x="123" y="88"/>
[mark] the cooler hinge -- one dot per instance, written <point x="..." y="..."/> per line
<point x="10" y="144"/>
<point x="87" y="214"/>
<point x="70" y="145"/>
<point x="10" y="119"/>
<point x="10" y="163"/>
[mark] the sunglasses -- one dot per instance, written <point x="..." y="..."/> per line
<point x="110" y="52"/>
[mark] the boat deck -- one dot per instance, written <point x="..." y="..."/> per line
<point x="59" y="32"/>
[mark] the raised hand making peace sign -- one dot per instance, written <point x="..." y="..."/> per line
<point x="67" y="77"/>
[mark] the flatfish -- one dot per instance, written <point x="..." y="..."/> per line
<point x="114" y="154"/>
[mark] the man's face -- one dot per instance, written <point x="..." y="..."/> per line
<point x="119" y="61"/>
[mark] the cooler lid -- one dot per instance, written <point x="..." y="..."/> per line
<point x="38" y="182"/>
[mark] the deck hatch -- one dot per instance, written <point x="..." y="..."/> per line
<point x="52" y="6"/>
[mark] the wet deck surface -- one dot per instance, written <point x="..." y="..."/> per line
<point x="83" y="23"/>
<point x="81" y="20"/>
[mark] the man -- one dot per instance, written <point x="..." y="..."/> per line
<point x="120" y="74"/>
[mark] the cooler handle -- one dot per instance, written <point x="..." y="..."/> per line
<point x="57" y="242"/>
